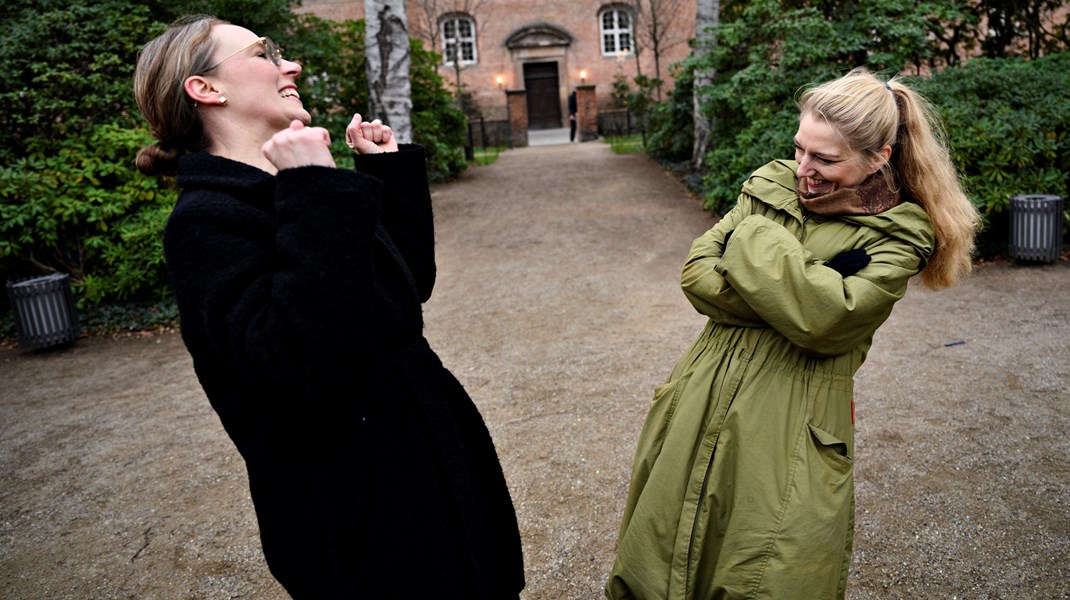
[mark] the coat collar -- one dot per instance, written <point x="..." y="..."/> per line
<point x="243" y="182"/>
<point x="202" y="170"/>
<point x="775" y="183"/>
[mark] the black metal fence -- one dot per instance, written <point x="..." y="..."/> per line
<point x="620" y="122"/>
<point x="488" y="134"/>
<point x="485" y="133"/>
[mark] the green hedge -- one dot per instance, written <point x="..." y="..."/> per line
<point x="85" y="210"/>
<point x="1008" y="123"/>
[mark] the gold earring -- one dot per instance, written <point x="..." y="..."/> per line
<point x="223" y="100"/>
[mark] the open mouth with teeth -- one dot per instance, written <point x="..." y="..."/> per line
<point x="810" y="187"/>
<point x="289" y="93"/>
<point x="816" y="186"/>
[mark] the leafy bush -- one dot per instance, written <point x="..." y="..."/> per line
<point x="670" y="132"/>
<point x="85" y="210"/>
<point x="119" y="317"/>
<point x="1009" y="124"/>
<point x="437" y="124"/>
<point x="1008" y="118"/>
<point x="66" y="94"/>
<point x="68" y="67"/>
<point x="1009" y="130"/>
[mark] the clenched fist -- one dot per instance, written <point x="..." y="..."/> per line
<point x="370" y="137"/>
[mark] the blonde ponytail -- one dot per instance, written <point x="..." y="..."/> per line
<point x="923" y="165"/>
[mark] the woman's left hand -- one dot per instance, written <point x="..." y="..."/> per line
<point x="370" y="137"/>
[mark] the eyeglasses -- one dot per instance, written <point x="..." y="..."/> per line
<point x="273" y="52"/>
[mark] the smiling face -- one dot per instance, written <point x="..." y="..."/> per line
<point x="825" y="162"/>
<point x="257" y="90"/>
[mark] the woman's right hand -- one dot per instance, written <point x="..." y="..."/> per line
<point x="299" y="146"/>
<point x="370" y="137"/>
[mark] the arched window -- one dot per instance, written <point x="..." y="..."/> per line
<point x="459" y="39"/>
<point x="616" y="25"/>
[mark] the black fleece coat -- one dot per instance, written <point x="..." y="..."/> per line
<point x="371" y="470"/>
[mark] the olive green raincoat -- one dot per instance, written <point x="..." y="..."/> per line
<point x="742" y="485"/>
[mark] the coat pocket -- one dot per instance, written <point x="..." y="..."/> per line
<point x="833" y="452"/>
<point x="663" y="408"/>
<point x="659" y="420"/>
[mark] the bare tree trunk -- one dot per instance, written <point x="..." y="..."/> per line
<point x="637" y="41"/>
<point x="386" y="47"/>
<point x="654" y="30"/>
<point x="460" y="85"/>
<point x="655" y="42"/>
<point x="707" y="15"/>
<point x="426" y="26"/>
<point x="657" y="63"/>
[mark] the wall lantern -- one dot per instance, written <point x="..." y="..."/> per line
<point x="583" y="75"/>
<point x="499" y="80"/>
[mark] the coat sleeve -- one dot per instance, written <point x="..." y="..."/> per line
<point x="806" y="301"/>
<point x="406" y="212"/>
<point x="280" y="298"/>
<point x="707" y="290"/>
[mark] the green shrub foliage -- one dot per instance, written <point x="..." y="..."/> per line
<point x="68" y="68"/>
<point x="1008" y="121"/>
<point x="84" y="209"/>
<point x="71" y="199"/>
<point x="670" y="132"/>
<point x="437" y="124"/>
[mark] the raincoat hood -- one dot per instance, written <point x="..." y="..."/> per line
<point x="775" y="185"/>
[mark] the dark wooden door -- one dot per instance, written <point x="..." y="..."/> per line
<point x="544" y="104"/>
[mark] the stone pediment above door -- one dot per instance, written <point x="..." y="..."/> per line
<point x="539" y="35"/>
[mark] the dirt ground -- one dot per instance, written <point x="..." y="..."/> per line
<point x="558" y="307"/>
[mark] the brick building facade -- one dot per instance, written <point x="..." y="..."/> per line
<point x="546" y="48"/>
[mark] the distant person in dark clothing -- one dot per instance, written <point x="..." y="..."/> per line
<point x="299" y="287"/>
<point x="572" y="117"/>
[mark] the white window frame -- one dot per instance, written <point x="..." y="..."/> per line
<point x="613" y="34"/>
<point x="452" y="27"/>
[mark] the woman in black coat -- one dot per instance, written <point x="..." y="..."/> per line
<point x="299" y="287"/>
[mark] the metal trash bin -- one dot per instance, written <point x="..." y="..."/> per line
<point x="1036" y="227"/>
<point x="44" y="311"/>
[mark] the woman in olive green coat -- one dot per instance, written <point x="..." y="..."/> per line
<point x="742" y="485"/>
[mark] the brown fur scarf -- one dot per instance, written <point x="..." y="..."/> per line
<point x="870" y="197"/>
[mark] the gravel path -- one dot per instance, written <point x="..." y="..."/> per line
<point x="558" y="308"/>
